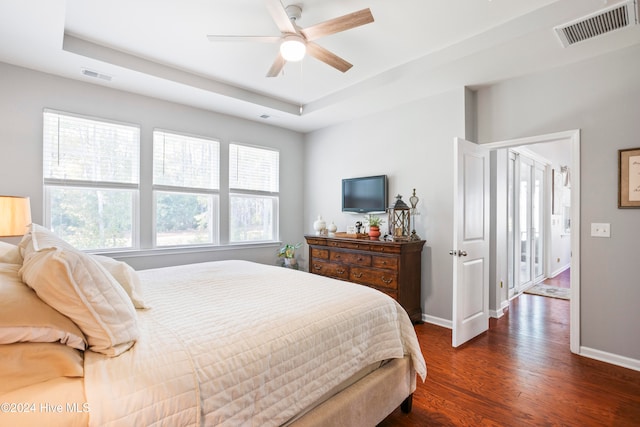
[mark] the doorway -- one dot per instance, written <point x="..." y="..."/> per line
<point x="499" y="255"/>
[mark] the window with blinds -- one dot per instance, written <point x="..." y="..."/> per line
<point x="91" y="171"/>
<point x="254" y="186"/>
<point x="186" y="188"/>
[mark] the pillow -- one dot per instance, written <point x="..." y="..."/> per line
<point x="40" y="238"/>
<point x="126" y="276"/>
<point x="10" y="254"/>
<point x="80" y="288"/>
<point x="24" y="364"/>
<point x="25" y="317"/>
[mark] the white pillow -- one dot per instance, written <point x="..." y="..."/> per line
<point x="39" y="238"/>
<point x="10" y="254"/>
<point x="80" y="288"/>
<point x="126" y="276"/>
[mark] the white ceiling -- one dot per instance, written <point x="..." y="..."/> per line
<point x="414" y="48"/>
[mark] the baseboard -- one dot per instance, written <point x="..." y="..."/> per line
<point x="496" y="314"/>
<point x="614" y="359"/>
<point x="560" y="270"/>
<point x="437" y="321"/>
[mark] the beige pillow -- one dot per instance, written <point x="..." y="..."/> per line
<point x="26" y="318"/>
<point x="24" y="364"/>
<point x="126" y="276"/>
<point x="10" y="254"/>
<point x="80" y="288"/>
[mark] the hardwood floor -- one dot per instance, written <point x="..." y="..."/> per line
<point x="519" y="373"/>
<point x="562" y="280"/>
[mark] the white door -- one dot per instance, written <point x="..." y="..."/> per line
<point x="471" y="241"/>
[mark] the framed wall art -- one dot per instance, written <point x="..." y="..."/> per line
<point x="629" y="178"/>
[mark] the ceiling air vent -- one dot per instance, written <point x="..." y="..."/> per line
<point x="95" y="74"/>
<point x="603" y="21"/>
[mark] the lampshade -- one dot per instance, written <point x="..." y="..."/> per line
<point x="15" y="216"/>
<point x="293" y="48"/>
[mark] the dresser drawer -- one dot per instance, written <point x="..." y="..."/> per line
<point x="349" y="245"/>
<point x="391" y="249"/>
<point x="388" y="262"/>
<point x="374" y="277"/>
<point x="319" y="253"/>
<point x="324" y="268"/>
<point x="350" y="258"/>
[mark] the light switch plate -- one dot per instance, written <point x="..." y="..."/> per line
<point x="599" y="229"/>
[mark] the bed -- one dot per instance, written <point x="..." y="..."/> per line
<point x="229" y="343"/>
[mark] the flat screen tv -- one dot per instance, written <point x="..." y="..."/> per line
<point x="364" y="194"/>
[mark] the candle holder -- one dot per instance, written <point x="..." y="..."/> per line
<point x="414" y="202"/>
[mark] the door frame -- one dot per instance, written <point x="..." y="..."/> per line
<point x="572" y="136"/>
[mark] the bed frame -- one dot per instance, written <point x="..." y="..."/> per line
<point x="368" y="401"/>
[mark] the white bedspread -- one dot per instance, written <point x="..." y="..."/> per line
<point x="234" y="343"/>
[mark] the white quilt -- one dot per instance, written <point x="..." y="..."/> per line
<point x="234" y="343"/>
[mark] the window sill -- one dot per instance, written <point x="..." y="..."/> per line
<point x="137" y="253"/>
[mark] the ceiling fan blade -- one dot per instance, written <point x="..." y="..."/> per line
<point x="277" y="66"/>
<point x="332" y="26"/>
<point x="262" y="39"/>
<point x="327" y="57"/>
<point x="280" y="17"/>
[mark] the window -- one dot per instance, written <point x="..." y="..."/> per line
<point x="253" y="193"/>
<point x="91" y="180"/>
<point x="185" y="187"/>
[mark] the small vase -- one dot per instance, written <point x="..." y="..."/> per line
<point x="291" y="263"/>
<point x="319" y="225"/>
<point x="374" y="232"/>
<point x="332" y="228"/>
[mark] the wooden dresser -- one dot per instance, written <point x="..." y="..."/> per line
<point x="391" y="267"/>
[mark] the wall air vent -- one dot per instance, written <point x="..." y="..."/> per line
<point x="612" y="18"/>
<point x="95" y="74"/>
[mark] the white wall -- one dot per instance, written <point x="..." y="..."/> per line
<point x="25" y="93"/>
<point x="601" y="97"/>
<point x="413" y="146"/>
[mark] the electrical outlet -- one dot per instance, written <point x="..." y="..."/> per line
<point x="600" y="229"/>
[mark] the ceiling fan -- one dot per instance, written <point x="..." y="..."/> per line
<point x="296" y="41"/>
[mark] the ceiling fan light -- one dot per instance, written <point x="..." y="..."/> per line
<point x="293" y="49"/>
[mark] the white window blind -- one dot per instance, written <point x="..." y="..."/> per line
<point x="185" y="161"/>
<point x="253" y="168"/>
<point x="82" y="149"/>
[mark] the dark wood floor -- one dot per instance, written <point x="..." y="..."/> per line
<point x="519" y="373"/>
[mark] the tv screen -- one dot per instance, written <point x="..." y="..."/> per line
<point x="365" y="194"/>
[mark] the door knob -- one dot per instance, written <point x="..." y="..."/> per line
<point x="462" y="253"/>
<point x="454" y="253"/>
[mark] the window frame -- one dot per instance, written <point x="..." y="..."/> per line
<point x="273" y="195"/>
<point x="214" y="194"/>
<point x="50" y="183"/>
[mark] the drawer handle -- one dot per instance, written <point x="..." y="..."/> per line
<point x="359" y="258"/>
<point x="341" y="271"/>
<point x="338" y="256"/>
<point x="384" y="262"/>
<point x="357" y="275"/>
<point x="316" y="267"/>
<point x="387" y="281"/>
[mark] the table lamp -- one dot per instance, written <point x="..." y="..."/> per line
<point x="15" y="216"/>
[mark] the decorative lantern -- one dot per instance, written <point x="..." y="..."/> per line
<point x="399" y="220"/>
